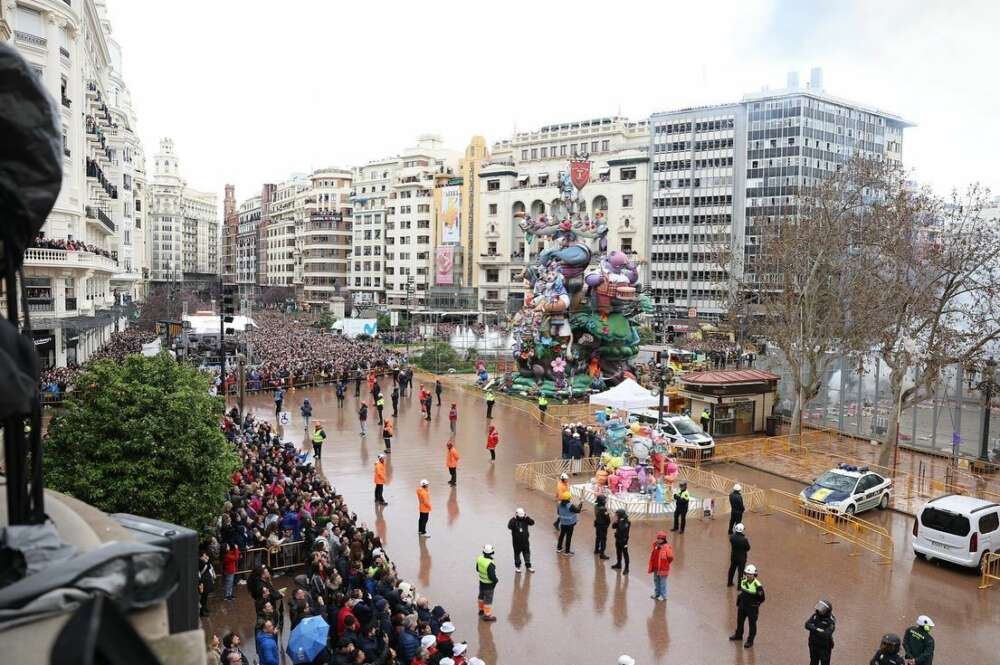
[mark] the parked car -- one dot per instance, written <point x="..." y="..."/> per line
<point x="956" y="528"/>
<point x="849" y="489"/>
<point x="683" y="433"/>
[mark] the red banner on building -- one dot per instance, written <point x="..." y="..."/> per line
<point x="579" y="172"/>
<point x="444" y="265"/>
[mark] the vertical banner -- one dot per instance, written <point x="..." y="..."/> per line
<point x="444" y="265"/>
<point x="450" y="215"/>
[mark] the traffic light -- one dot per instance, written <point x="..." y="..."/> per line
<point x="228" y="306"/>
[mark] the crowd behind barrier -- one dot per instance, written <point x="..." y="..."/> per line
<point x="282" y="514"/>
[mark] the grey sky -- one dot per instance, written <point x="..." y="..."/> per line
<point x="253" y="90"/>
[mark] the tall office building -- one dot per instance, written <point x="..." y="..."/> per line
<point x="91" y="256"/>
<point x="324" y="240"/>
<point x="720" y="171"/>
<point x="372" y="184"/>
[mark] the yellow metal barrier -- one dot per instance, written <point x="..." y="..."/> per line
<point x="835" y="527"/>
<point x="250" y="559"/>
<point x="991" y="570"/>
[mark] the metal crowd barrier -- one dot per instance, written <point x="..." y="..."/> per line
<point x="991" y="570"/>
<point x="278" y="557"/>
<point x="861" y="534"/>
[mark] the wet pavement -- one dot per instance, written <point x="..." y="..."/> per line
<point x="577" y="610"/>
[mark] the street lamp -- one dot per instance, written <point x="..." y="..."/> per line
<point x="664" y="376"/>
<point x="987" y="386"/>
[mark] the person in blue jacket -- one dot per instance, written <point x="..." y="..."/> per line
<point x="267" y="644"/>
<point x="568" y="516"/>
<point x="307" y="410"/>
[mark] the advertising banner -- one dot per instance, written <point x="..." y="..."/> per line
<point x="444" y="265"/>
<point x="450" y="215"/>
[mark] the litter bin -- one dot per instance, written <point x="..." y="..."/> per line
<point x="772" y="425"/>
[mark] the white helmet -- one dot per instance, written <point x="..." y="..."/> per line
<point x="737" y="487"/>
<point x="423" y="482"/>
<point x="626" y="660"/>
<point x="487" y="549"/>
<point x="739" y="528"/>
<point x="564" y="477"/>
<point x="519" y="512"/>
<point x="750" y="569"/>
<point x="924" y="620"/>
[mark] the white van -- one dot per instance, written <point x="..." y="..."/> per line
<point x="956" y="528"/>
<point x="682" y="432"/>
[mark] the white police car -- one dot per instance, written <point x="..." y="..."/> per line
<point x="849" y="489"/>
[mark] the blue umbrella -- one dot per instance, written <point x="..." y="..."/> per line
<point x="308" y="639"/>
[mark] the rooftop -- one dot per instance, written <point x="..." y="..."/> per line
<point x="728" y="377"/>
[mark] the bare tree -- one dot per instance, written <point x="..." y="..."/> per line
<point x="800" y="279"/>
<point x="937" y="288"/>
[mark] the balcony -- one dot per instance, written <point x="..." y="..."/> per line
<point x="42" y="305"/>
<point x="61" y="258"/>
<point x="30" y="39"/>
<point x="63" y="51"/>
<point x="99" y="215"/>
<point x="67" y="102"/>
<point x="492" y="259"/>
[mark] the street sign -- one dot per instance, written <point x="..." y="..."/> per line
<point x="394" y="318"/>
<point x="285" y="418"/>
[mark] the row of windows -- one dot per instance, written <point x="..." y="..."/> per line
<point x="693" y="220"/>
<point x="715" y="276"/>
<point x="685" y="164"/>
<point x="682" y="257"/>
<point x="696" y="201"/>
<point x="685" y="238"/>
<point x="566" y="149"/>
<point x="713" y="144"/>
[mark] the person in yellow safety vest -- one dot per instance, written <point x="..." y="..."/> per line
<point x="487" y="571"/>
<point x="748" y="605"/>
<point x="682" y="500"/>
<point x="609" y="413"/>
<point x="706" y="419"/>
<point x="543" y="405"/>
<point x="491" y="399"/>
<point x="379" y="405"/>
<point x="318" y="437"/>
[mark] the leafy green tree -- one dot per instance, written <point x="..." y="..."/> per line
<point x="327" y="319"/>
<point x="142" y="436"/>
<point x="439" y="357"/>
<point x="646" y="335"/>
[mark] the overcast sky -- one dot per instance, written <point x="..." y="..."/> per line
<point x="254" y="90"/>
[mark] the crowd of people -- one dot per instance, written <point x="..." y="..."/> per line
<point x="40" y="242"/>
<point x="58" y="380"/>
<point x="278" y="497"/>
<point x="286" y="349"/>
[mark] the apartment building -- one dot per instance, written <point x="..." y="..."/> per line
<point x="719" y="172"/>
<point x="184" y="226"/>
<point x="372" y="185"/>
<point x="230" y="232"/>
<point x="91" y="254"/>
<point x="521" y="175"/>
<point x="409" y="216"/>
<point x="279" y="236"/>
<point x="247" y="235"/>
<point x="324" y="239"/>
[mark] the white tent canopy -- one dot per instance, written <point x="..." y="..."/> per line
<point x="626" y="395"/>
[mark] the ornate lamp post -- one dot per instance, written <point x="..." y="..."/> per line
<point x="664" y="377"/>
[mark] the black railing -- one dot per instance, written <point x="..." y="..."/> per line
<point x="67" y="152"/>
<point x="105" y="219"/>
<point x="63" y="51"/>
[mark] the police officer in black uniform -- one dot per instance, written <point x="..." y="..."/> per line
<point x="735" y="506"/>
<point x="821" y="626"/>
<point x="682" y="499"/>
<point x="739" y="545"/>
<point x="888" y="651"/>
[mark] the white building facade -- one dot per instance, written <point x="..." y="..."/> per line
<point x="185" y="225"/>
<point x="522" y="175"/>
<point x="372" y="184"/>
<point x="719" y="172"/>
<point x="324" y="237"/>
<point x="88" y="261"/>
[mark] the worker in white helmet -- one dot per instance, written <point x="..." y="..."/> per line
<point x="487" y="571"/>
<point x="520" y="535"/>
<point x="735" y="506"/>
<point x="918" y="645"/>
<point x="748" y="605"/>
<point x="739" y="546"/>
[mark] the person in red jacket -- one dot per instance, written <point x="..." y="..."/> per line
<point x="659" y="565"/>
<point x="230" y="563"/>
<point x="492" y="439"/>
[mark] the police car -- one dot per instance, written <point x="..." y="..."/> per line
<point x="849" y="489"/>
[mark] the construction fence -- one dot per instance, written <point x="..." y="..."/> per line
<point x="990" y="569"/>
<point x="277" y="557"/>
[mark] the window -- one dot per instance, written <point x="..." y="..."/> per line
<point x="626" y="200"/>
<point x="493" y="208"/>
<point x="605" y="145"/>
<point x="493" y="185"/>
<point x="30" y="21"/>
<point x="492" y="275"/>
<point x="493" y="295"/>
<point x="627" y="174"/>
<point x="534" y="153"/>
<point x="942" y="520"/>
<point x="989" y="523"/>
<point x="583" y="148"/>
<point x="626" y="244"/>
<point x="524" y="154"/>
<point x="545" y="153"/>
<point x="562" y="150"/>
<point x="491" y="249"/>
